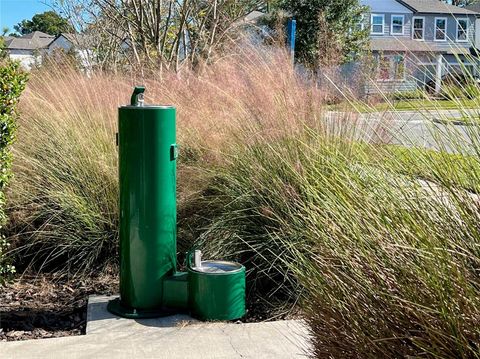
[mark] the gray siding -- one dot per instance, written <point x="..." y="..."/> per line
<point x="381" y="87"/>
<point x="420" y="64"/>
<point x="451" y="31"/>
<point x="388" y="25"/>
<point x="430" y="29"/>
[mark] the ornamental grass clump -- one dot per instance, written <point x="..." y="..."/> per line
<point x="383" y="262"/>
<point x="64" y="199"/>
<point x="396" y="274"/>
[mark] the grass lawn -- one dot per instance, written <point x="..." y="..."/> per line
<point x="411" y="105"/>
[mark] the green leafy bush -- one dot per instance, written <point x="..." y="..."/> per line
<point x="410" y="95"/>
<point x="12" y="84"/>
<point x="454" y="92"/>
<point x="3" y="53"/>
<point x="472" y="90"/>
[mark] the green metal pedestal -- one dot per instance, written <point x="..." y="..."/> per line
<point x="149" y="284"/>
<point x="147" y="177"/>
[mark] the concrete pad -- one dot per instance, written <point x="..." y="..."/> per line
<point x="100" y="320"/>
<point x="171" y="337"/>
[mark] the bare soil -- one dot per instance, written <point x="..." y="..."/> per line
<point x="45" y="306"/>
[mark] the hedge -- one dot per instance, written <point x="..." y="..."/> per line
<point x="12" y="84"/>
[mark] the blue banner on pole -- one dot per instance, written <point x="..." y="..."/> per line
<point x="291" y="34"/>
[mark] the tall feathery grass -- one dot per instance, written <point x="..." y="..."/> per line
<point x="378" y="244"/>
<point x="64" y="197"/>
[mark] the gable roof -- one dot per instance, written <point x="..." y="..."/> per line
<point x="436" y="7"/>
<point x="75" y="39"/>
<point x="7" y="40"/>
<point x="386" y="6"/>
<point x="34" y="41"/>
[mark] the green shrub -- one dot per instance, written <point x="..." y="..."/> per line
<point x="3" y="53"/>
<point x="472" y="91"/>
<point x="410" y="95"/>
<point x="12" y="84"/>
<point x="454" y="92"/>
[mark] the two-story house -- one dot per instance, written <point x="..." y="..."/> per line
<point x="416" y="42"/>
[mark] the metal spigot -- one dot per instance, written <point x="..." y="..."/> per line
<point x="197" y="259"/>
<point x="137" y="98"/>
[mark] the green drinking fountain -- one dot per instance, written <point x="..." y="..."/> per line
<point x="150" y="285"/>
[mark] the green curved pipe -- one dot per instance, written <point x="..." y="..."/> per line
<point x="136" y="92"/>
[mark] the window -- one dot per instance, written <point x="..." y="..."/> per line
<point x="378" y="22"/>
<point x="391" y="67"/>
<point x="462" y="30"/>
<point x="397" y="24"/>
<point x="418" y="28"/>
<point x="440" y="29"/>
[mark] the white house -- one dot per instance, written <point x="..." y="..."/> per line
<point x="30" y="49"/>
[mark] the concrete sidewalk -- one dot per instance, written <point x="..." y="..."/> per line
<point x="171" y="337"/>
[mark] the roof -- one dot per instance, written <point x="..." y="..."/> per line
<point x="436" y="7"/>
<point x="7" y="40"/>
<point x="75" y="39"/>
<point x="473" y="7"/>
<point x="401" y="44"/>
<point x="34" y="41"/>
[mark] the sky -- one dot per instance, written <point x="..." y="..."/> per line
<point x="14" y="11"/>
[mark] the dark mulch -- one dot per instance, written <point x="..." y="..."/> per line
<point x="45" y="306"/>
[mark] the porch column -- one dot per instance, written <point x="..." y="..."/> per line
<point x="438" y="74"/>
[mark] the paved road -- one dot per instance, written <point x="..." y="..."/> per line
<point x="429" y="129"/>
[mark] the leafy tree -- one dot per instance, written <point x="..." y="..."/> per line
<point x="464" y="2"/>
<point x="327" y="26"/>
<point x="48" y="22"/>
<point x="461" y="2"/>
<point x="3" y="53"/>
